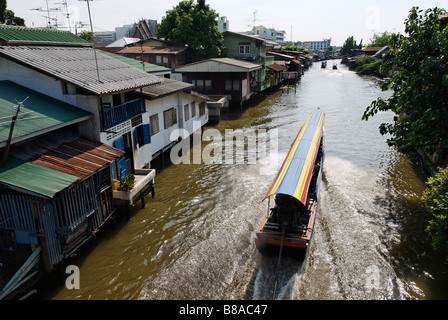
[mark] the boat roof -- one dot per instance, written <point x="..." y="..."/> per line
<point x="294" y="176"/>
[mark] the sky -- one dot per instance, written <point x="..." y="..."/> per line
<point x="302" y="20"/>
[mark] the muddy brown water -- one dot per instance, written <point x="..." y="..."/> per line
<point x="195" y="239"/>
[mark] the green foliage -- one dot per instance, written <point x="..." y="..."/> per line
<point x="380" y="40"/>
<point x="296" y="48"/>
<point x="435" y="198"/>
<point x="368" y="65"/>
<point x="193" y="25"/>
<point x="8" y="16"/>
<point x="349" y="45"/>
<point x="86" y="35"/>
<point x="419" y="86"/>
<point x="127" y="183"/>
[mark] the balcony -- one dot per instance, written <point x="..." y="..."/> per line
<point x="110" y="117"/>
<point x="144" y="184"/>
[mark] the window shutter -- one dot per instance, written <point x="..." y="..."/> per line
<point x="121" y="167"/>
<point x="135" y="138"/>
<point x="119" y="143"/>
<point x="146" y="133"/>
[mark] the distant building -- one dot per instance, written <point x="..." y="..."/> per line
<point x="317" y="45"/>
<point x="123" y="32"/>
<point x="223" y="24"/>
<point x="105" y="36"/>
<point x="269" y="34"/>
<point x="144" y="29"/>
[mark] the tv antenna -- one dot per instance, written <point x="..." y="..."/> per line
<point x="48" y="17"/>
<point x="64" y="3"/>
<point x="254" y="20"/>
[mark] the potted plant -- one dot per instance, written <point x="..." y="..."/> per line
<point x="127" y="182"/>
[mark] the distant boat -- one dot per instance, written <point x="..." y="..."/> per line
<point x="335" y="67"/>
<point x="323" y="64"/>
<point x="289" y="223"/>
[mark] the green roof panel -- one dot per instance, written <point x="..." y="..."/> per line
<point x="39" y="113"/>
<point x="34" y="178"/>
<point x="144" y="66"/>
<point x="24" y="34"/>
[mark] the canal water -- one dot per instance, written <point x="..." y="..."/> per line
<point x="195" y="239"/>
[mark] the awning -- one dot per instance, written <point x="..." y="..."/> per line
<point x="295" y="174"/>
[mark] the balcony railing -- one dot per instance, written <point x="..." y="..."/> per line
<point x="110" y="117"/>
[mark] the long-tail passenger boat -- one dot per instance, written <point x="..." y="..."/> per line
<point x="290" y="221"/>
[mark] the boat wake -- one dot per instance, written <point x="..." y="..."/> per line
<point x="291" y="270"/>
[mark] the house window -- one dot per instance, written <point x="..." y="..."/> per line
<point x="208" y="84"/>
<point x="159" y="59"/>
<point x="228" y="85"/>
<point x="201" y="109"/>
<point x="165" y="59"/>
<point x="142" y="135"/>
<point x="187" y="112"/>
<point x="236" y="85"/>
<point x="200" y="84"/>
<point x="244" y="48"/>
<point x="170" y="118"/>
<point x="154" y="124"/>
<point x="193" y="109"/>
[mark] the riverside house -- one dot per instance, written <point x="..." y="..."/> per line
<point x="223" y="77"/>
<point x="168" y="57"/>
<point x="80" y="117"/>
<point x="252" y="49"/>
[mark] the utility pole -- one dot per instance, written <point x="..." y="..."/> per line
<point x="11" y="130"/>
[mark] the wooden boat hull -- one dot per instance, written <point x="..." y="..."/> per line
<point x="295" y="244"/>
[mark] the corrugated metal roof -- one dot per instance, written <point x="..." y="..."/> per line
<point x="276" y="67"/>
<point x="123" y="42"/>
<point x="152" y="49"/>
<point x="80" y="157"/>
<point x="16" y="34"/>
<point x="144" y="66"/>
<point x="47" y="167"/>
<point x="38" y="114"/>
<point x="78" y="67"/>
<point x="219" y="65"/>
<point x="69" y="153"/>
<point x="168" y="86"/>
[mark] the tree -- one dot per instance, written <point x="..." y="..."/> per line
<point x="86" y="35"/>
<point x="296" y="48"/>
<point x="435" y="198"/>
<point x="193" y="25"/>
<point x="348" y="45"/>
<point x="380" y="40"/>
<point x="8" y="16"/>
<point x="419" y="86"/>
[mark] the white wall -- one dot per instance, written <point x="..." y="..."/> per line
<point x="162" y="139"/>
<point x="51" y="87"/>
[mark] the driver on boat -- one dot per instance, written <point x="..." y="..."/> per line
<point x="289" y="211"/>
